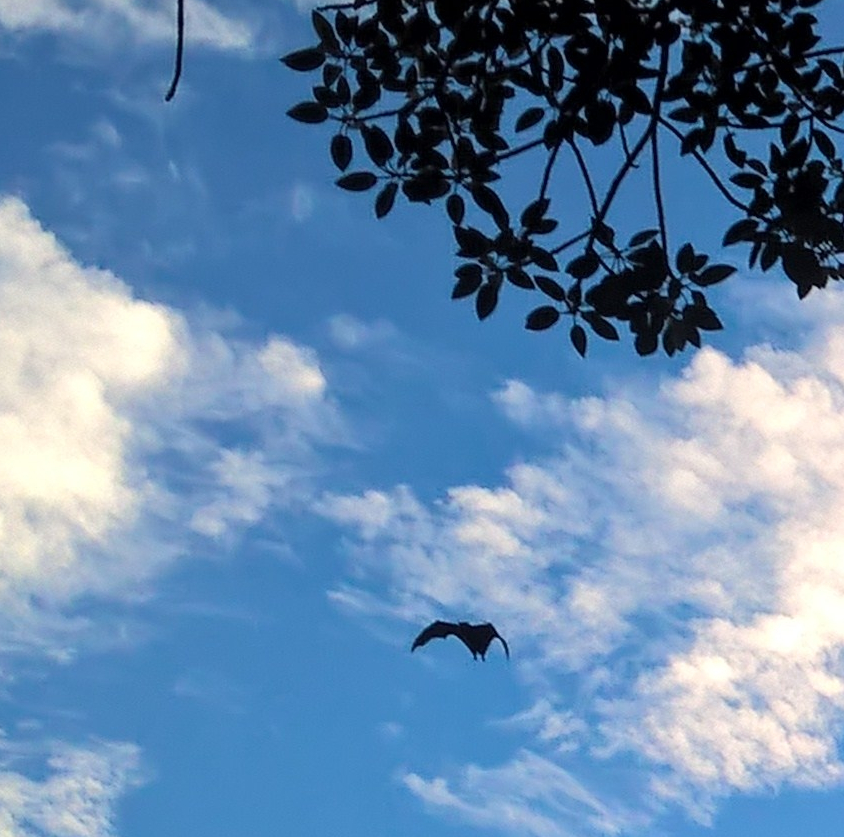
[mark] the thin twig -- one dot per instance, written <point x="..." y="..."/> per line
<point x="713" y="176"/>
<point x="660" y="208"/>
<point x="569" y="242"/>
<point x="587" y="179"/>
<point x="180" y="45"/>
<point x="641" y="142"/>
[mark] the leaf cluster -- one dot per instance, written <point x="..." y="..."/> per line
<point x="433" y="99"/>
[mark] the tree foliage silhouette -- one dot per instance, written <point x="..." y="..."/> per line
<point x="442" y="96"/>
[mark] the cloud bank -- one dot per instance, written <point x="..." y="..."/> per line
<point x="682" y="554"/>
<point x="126" y="430"/>
<point x="77" y="795"/>
<point x="108" y="21"/>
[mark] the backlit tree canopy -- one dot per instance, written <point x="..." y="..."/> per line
<point x="438" y="100"/>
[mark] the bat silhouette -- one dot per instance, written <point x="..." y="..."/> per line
<point x="476" y="638"/>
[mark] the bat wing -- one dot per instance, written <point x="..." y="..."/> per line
<point x="436" y="630"/>
<point x="503" y="642"/>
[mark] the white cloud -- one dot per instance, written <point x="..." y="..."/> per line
<point x="528" y="408"/>
<point x="77" y="795"/>
<point x="351" y="334"/>
<point x="78" y="352"/>
<point x="529" y="795"/>
<point x="111" y="414"/>
<point x="107" y="21"/>
<point x="681" y="556"/>
<point x="560" y="728"/>
<point x="245" y="488"/>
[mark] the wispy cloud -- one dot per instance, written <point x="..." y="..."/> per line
<point x="528" y="795"/>
<point x="350" y="333"/>
<point x="109" y="22"/>
<point x="76" y="796"/>
<point x="113" y="412"/>
<point x="561" y="729"/>
<point x="681" y="555"/>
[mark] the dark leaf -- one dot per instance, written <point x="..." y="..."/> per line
<point x="646" y="342"/>
<point x="635" y="98"/>
<point x="385" y="200"/>
<point x="578" y="339"/>
<point x="310" y="112"/>
<point x="490" y="203"/>
<point x="304" y="59"/>
<point x="714" y="274"/>
<point x="641" y="237"/>
<point x="325" y="32"/>
<point x="743" y="230"/>
<point x="556" y="68"/>
<point x="600" y="121"/>
<point x="534" y="213"/>
<point x="358" y="181"/>
<point x="685" y="259"/>
<point x="747" y="180"/>
<point x="583" y="266"/>
<point x="519" y="278"/>
<point x="341" y="151"/>
<point x="770" y="254"/>
<point x="824" y="143"/>
<point x="330" y="74"/>
<point x="542" y="258"/>
<point x="735" y="155"/>
<point x="789" y="128"/>
<point x="550" y="288"/>
<point x="545" y="226"/>
<point x="684" y="114"/>
<point x="486" y="300"/>
<point x="472" y="242"/>
<point x="602" y="327"/>
<point x="529" y="118"/>
<point x="541" y="318"/>
<point x="377" y="143"/>
<point x="604" y="234"/>
<point x="706" y="319"/>
<point x="455" y="208"/>
<point x="802" y="267"/>
<point x="469" y="279"/>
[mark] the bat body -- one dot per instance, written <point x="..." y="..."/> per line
<point x="477" y="638"/>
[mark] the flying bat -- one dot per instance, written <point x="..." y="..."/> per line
<point x="476" y="638"/>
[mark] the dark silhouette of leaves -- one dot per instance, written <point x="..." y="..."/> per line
<point x="456" y="209"/>
<point x="311" y="112"/>
<point x="529" y="118"/>
<point x="486" y="300"/>
<point x="304" y="59"/>
<point x="602" y="327"/>
<point x="385" y="200"/>
<point x="377" y="144"/>
<point x="541" y="318"/>
<point x="444" y="94"/>
<point x="713" y="274"/>
<point x="358" y="181"/>
<point x="578" y="339"/>
<point x="341" y="151"/>
<point x="469" y="279"/>
<point x="551" y="288"/>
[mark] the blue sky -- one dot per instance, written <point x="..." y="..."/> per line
<point x="248" y="446"/>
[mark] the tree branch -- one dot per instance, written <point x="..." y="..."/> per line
<point x="180" y="44"/>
